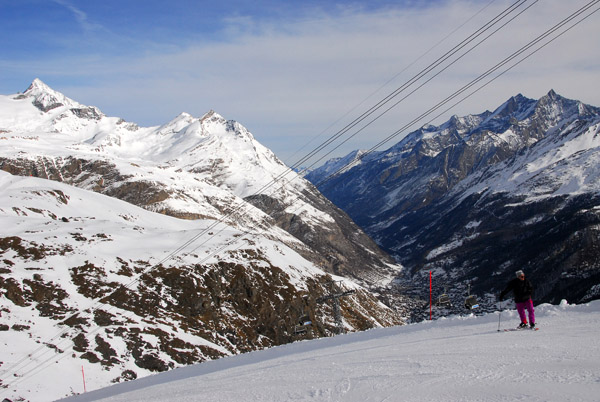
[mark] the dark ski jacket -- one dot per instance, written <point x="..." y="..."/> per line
<point x="522" y="290"/>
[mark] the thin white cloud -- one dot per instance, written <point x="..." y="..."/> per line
<point x="80" y="16"/>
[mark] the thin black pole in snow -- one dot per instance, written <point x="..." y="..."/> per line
<point x="499" y="315"/>
<point x="430" y="299"/>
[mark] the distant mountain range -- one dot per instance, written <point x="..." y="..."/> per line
<point x="484" y="195"/>
<point x="138" y="249"/>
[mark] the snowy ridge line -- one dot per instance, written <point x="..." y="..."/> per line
<point x="96" y="304"/>
<point x="425" y="360"/>
<point x="561" y="24"/>
<point x="513" y="56"/>
<point x="543" y="36"/>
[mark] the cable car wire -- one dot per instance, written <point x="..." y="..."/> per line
<point x="475" y="81"/>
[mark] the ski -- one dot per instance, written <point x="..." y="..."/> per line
<point x="521" y="329"/>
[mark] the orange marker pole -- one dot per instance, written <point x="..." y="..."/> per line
<point x="83" y="376"/>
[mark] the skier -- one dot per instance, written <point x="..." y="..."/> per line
<point x="522" y="292"/>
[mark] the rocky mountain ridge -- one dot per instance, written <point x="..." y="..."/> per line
<point x="483" y="195"/>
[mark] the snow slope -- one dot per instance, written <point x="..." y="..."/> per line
<point x="52" y="232"/>
<point x="452" y="359"/>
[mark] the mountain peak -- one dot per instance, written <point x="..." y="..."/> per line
<point x="38" y="85"/>
<point x="45" y="98"/>
<point x="554" y="107"/>
<point x="212" y="116"/>
<point x="209" y="114"/>
<point x="518" y="107"/>
<point x="552" y="97"/>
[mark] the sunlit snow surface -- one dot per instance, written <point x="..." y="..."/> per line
<point x="453" y="359"/>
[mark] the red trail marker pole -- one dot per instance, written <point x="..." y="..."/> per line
<point x="83" y="376"/>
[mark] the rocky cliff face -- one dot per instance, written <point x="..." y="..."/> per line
<point x="484" y="195"/>
<point x="339" y="245"/>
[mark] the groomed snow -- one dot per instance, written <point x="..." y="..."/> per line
<point x="453" y="359"/>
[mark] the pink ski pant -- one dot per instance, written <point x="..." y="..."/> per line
<point x="527" y="305"/>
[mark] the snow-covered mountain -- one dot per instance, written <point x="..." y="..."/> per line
<point x="205" y="167"/>
<point x="98" y="266"/>
<point x="483" y="195"/>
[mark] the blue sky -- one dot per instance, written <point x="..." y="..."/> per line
<point x="287" y="70"/>
<point x="124" y="27"/>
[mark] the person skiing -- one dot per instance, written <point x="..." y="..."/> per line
<point x="522" y="292"/>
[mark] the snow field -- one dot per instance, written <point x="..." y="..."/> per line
<point x="451" y="359"/>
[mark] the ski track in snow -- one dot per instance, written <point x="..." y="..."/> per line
<point x="451" y="359"/>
